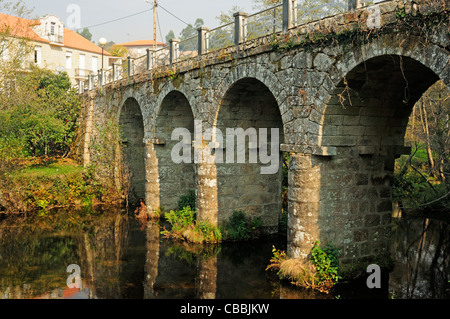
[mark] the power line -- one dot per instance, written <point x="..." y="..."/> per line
<point x="115" y="20"/>
<point x="159" y="5"/>
<point x="133" y="15"/>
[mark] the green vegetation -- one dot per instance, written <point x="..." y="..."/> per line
<point x="326" y="262"/>
<point x="85" y="33"/>
<point x="39" y="123"/>
<point x="414" y="184"/>
<point x="188" y="200"/>
<point x="239" y="227"/>
<point x="422" y="179"/>
<point x="357" y="33"/>
<point x="186" y="227"/>
<point x="51" y="170"/>
<point x="40" y="118"/>
<point x="320" y="272"/>
<point x="41" y="187"/>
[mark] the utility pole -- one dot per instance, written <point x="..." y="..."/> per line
<point x="155" y="21"/>
<point x="155" y="17"/>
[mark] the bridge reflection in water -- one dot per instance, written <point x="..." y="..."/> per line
<point x="122" y="258"/>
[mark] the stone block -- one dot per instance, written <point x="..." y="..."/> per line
<point x="384" y="206"/>
<point x="372" y="220"/>
<point x="360" y="235"/>
<point x="322" y="62"/>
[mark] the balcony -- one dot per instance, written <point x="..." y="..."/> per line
<point x="82" y="74"/>
<point x="56" y="39"/>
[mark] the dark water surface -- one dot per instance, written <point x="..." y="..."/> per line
<point x="119" y="257"/>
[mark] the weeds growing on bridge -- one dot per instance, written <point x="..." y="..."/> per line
<point x="357" y="33"/>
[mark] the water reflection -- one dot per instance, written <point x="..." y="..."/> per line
<point x="121" y="257"/>
<point x="421" y="249"/>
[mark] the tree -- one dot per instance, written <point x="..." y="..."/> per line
<point x="18" y="8"/>
<point x="191" y="30"/>
<point x="40" y="117"/>
<point x="188" y="32"/>
<point x="308" y="10"/>
<point x="86" y="34"/>
<point x="13" y="49"/>
<point x="118" y="50"/>
<point x="227" y="17"/>
<point x="170" y="36"/>
<point x="424" y="177"/>
<point x="109" y="44"/>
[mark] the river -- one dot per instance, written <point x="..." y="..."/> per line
<point x="118" y="257"/>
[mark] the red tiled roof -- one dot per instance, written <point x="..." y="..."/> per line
<point x="141" y="43"/>
<point x="75" y="41"/>
<point x="19" y="27"/>
<point x="22" y="28"/>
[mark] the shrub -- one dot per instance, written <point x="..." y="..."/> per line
<point x="188" y="200"/>
<point x="185" y="227"/>
<point x="327" y="264"/>
<point x="239" y="227"/>
<point x="181" y="219"/>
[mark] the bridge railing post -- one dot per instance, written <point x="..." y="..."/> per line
<point x="203" y="45"/>
<point x="174" y="47"/>
<point x="149" y="59"/>
<point x="100" y="78"/>
<point x="355" y="4"/>
<point x="90" y="82"/>
<point x="289" y="14"/>
<point x="129" y="67"/>
<point x="113" y="73"/>
<point x="240" y="27"/>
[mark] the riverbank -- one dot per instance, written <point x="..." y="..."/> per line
<point x="35" y="186"/>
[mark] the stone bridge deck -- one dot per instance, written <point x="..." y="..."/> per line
<point x="339" y="89"/>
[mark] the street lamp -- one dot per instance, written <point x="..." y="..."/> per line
<point x="102" y="42"/>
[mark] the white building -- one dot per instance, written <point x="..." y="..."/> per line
<point x="55" y="47"/>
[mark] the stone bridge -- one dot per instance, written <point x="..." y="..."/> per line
<point x="340" y="89"/>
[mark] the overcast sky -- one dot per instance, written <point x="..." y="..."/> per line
<point x="138" y="27"/>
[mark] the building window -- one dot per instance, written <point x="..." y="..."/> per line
<point x="52" y="28"/>
<point x="81" y="65"/>
<point x="38" y="55"/>
<point x="68" y="60"/>
<point x="94" y="64"/>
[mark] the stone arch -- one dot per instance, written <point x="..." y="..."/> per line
<point x="364" y="120"/>
<point x="131" y="125"/>
<point x="169" y="88"/>
<point x="243" y="184"/>
<point x="259" y="71"/>
<point x="131" y="93"/>
<point x="168" y="179"/>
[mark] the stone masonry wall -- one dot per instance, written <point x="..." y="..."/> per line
<point x="342" y="152"/>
